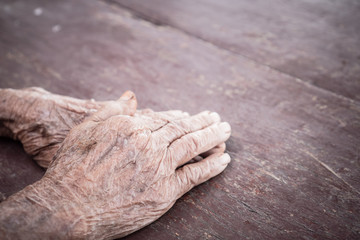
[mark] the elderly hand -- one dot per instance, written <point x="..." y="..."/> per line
<point x="114" y="174"/>
<point x="41" y="120"/>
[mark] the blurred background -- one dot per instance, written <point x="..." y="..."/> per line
<point x="285" y="74"/>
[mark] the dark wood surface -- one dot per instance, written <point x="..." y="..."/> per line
<point x="295" y="145"/>
<point x="316" y="41"/>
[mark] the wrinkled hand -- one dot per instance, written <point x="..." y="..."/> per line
<point x="41" y="120"/>
<point x="120" y="173"/>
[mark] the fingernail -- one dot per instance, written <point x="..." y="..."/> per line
<point x="225" y="158"/>
<point x="225" y="127"/>
<point x="215" y="116"/>
<point x="127" y="96"/>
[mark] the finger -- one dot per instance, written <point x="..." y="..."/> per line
<point x="217" y="149"/>
<point x="129" y="103"/>
<point x="194" y="174"/>
<point x="125" y="105"/>
<point x="145" y="111"/>
<point x="195" y="143"/>
<point x="165" y="115"/>
<point x="37" y="90"/>
<point x="174" y="114"/>
<point x="157" y="120"/>
<point x="177" y="128"/>
<point x="168" y="115"/>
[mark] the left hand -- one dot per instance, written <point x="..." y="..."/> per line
<point x="41" y="120"/>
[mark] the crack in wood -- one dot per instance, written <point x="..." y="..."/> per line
<point x="327" y="167"/>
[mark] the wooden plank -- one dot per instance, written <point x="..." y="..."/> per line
<point x="295" y="148"/>
<point x="317" y="41"/>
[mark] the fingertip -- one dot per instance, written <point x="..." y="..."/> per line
<point x="128" y="95"/>
<point x="215" y="116"/>
<point x="225" y="159"/>
<point x="130" y="102"/>
<point x="225" y="126"/>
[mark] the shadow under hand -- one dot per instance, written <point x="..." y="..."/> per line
<point x="17" y="169"/>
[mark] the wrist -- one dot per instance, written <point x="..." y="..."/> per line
<point x="41" y="210"/>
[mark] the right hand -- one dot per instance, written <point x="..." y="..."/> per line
<point x="123" y="172"/>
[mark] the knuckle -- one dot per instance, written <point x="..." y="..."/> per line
<point x="175" y="129"/>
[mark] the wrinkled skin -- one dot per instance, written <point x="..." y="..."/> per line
<point x="41" y="120"/>
<point x="114" y="174"/>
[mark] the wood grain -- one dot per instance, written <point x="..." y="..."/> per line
<point x="295" y="147"/>
<point x="316" y="41"/>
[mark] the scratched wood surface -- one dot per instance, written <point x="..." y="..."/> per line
<point x="295" y="170"/>
<point x="317" y="41"/>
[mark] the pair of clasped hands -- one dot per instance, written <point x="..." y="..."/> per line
<point x="111" y="169"/>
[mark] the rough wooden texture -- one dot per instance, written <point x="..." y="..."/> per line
<point x="295" y="147"/>
<point x="317" y="41"/>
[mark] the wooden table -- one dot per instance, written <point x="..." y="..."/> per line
<point x="284" y="74"/>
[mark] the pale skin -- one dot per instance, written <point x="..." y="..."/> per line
<point x="41" y="120"/>
<point x="115" y="173"/>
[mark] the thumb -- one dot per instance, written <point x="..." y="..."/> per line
<point x="125" y="105"/>
<point x="128" y="103"/>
